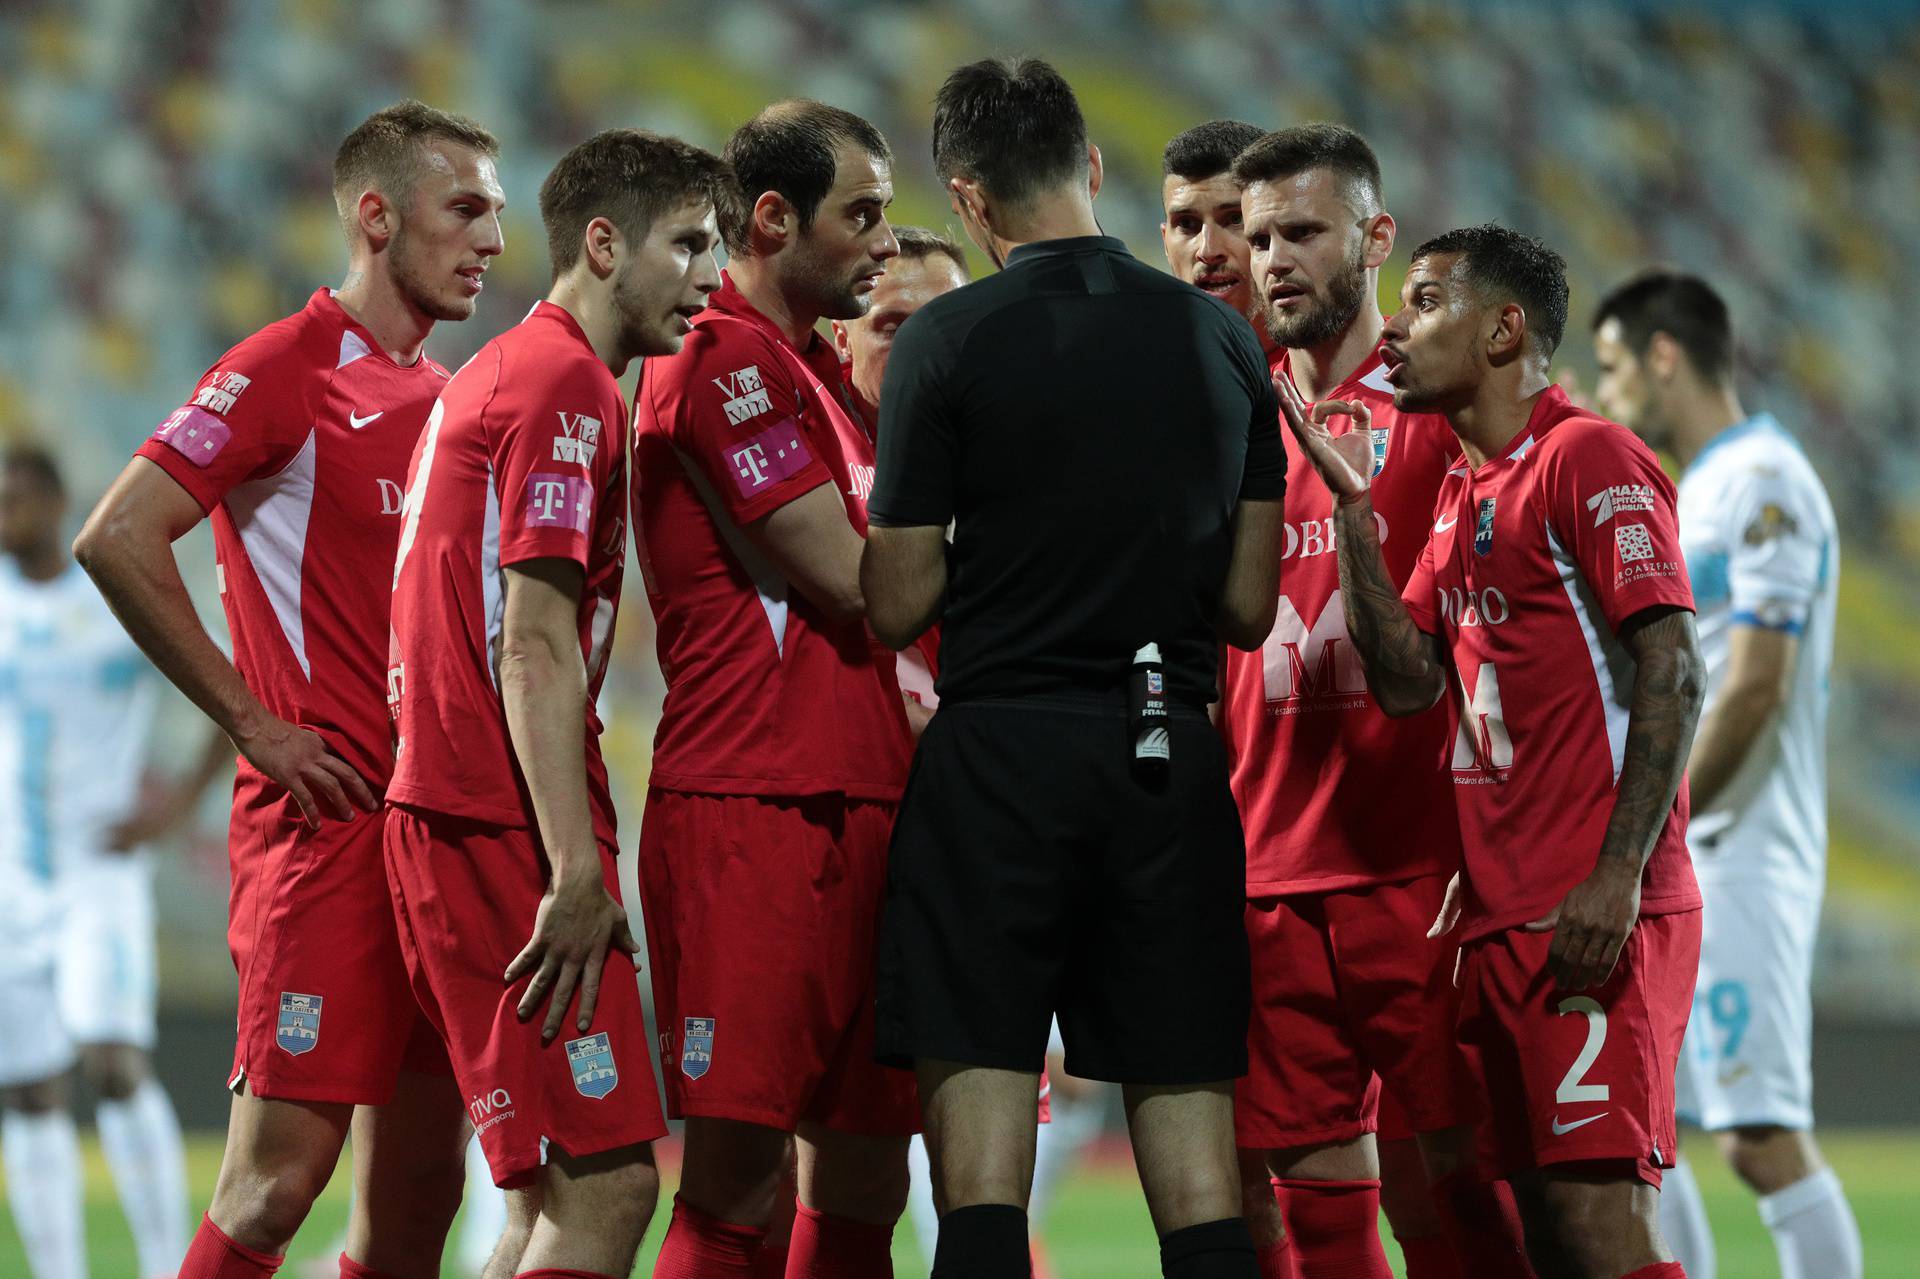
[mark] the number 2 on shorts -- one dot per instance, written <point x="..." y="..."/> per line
<point x="1571" y="1089"/>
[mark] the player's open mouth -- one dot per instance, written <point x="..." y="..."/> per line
<point x="1286" y="295"/>
<point x="1217" y="283"/>
<point x="1392" y="361"/>
<point x="471" y="275"/>
<point x="866" y="282"/>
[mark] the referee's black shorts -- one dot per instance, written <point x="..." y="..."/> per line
<point x="1032" y="874"/>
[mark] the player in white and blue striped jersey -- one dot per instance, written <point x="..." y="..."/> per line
<point x="1761" y="546"/>
<point x="77" y="972"/>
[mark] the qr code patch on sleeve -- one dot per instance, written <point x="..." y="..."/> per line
<point x="1634" y="541"/>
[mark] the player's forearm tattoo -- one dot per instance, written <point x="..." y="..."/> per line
<point x="1402" y="668"/>
<point x="1669" y="685"/>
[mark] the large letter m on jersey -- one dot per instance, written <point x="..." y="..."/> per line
<point x="1311" y="661"/>
<point x="1481" y="743"/>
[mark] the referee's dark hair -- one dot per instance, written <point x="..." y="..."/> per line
<point x="920" y="242"/>
<point x="1012" y="126"/>
<point x="789" y="149"/>
<point x="1207" y="150"/>
<point x="1286" y="153"/>
<point x="1503" y="263"/>
<point x="36" y="461"/>
<point x="1686" y="308"/>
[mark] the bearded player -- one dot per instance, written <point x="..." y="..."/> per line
<point x="1764" y="555"/>
<point x="296" y="442"/>
<point x="1350" y="993"/>
<point x="782" y="748"/>
<point x="1562" y="628"/>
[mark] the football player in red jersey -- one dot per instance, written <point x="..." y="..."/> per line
<point x="1562" y="627"/>
<point x="1340" y="888"/>
<point x="1204" y="232"/>
<point x="506" y="592"/>
<point x="783" y="745"/>
<point x="296" y="443"/>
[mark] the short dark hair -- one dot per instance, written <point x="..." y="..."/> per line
<point x="1286" y="153"/>
<point x="789" y="148"/>
<point x="1207" y="150"/>
<point x="920" y="242"/>
<point x="1685" y="307"/>
<point x="37" y="462"/>
<point x="630" y="177"/>
<point x="1013" y="126"/>
<point x="1504" y="263"/>
<point x="384" y="151"/>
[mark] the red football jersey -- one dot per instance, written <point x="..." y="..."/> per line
<point x="1534" y="563"/>
<point x="524" y="459"/>
<point x="1333" y="793"/>
<point x="296" y="442"/>
<point x="765" y="696"/>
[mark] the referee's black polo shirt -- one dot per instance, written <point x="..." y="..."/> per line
<point x="1086" y="423"/>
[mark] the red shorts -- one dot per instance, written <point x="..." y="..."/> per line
<point x="1578" y="1076"/>
<point x="465" y="894"/>
<point x="326" y="1013"/>
<point x="1348" y="995"/>
<point x="762" y="918"/>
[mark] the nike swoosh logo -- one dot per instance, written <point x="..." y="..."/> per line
<point x="1561" y="1130"/>
<point x="355" y="421"/>
<point x="1445" y="522"/>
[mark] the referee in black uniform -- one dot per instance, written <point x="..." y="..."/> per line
<point x="1105" y="443"/>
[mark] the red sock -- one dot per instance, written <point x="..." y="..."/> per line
<point x="702" y="1247"/>
<point x="1276" y="1260"/>
<point x="771" y="1261"/>
<point x="1483" y="1224"/>
<point x="1430" y="1257"/>
<point x="1658" y="1270"/>
<point x="351" y="1269"/>
<point x="212" y="1255"/>
<point x="829" y="1247"/>
<point x="1335" y="1227"/>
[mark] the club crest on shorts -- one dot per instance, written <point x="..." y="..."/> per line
<point x="696" y="1048"/>
<point x="591" y="1059"/>
<point x="1381" y="436"/>
<point x="299" y="1028"/>
<point x="1483" y="531"/>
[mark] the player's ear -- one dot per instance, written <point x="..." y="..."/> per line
<point x="1094" y="171"/>
<point x="375" y="218"/>
<point x="602" y="246"/>
<point x="1509" y="335"/>
<point x="1663" y="357"/>
<point x="771" y="221"/>
<point x="842" y="342"/>
<point x="1379" y="232"/>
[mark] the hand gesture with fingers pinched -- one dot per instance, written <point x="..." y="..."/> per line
<point x="1591" y="925"/>
<point x="1344" y="461"/>
<point x="578" y="922"/>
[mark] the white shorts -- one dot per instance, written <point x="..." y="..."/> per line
<point x="1748" y="1059"/>
<point x="91" y="979"/>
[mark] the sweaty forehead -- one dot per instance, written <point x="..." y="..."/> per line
<point x="1198" y="195"/>
<point x="858" y="172"/>
<point x="1316" y="194"/>
<point x="450" y="166"/>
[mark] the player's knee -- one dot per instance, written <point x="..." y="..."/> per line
<point x="37" y="1098"/>
<point x="627" y="1199"/>
<point x="1767" y="1157"/>
<point x="115" y="1076"/>
<point x="268" y="1204"/>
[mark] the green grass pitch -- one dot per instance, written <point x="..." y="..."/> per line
<point x="1099" y="1228"/>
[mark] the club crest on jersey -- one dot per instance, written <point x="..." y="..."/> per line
<point x="591" y="1059"/>
<point x="696" y="1051"/>
<point x="1483" y="530"/>
<point x="1380" y="435"/>
<point x="299" y="1028"/>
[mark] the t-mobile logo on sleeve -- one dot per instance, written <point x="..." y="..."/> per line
<point x="768" y="457"/>
<point x="194" y="434"/>
<point x="559" y="501"/>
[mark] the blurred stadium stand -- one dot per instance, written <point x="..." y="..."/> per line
<point x="163" y="191"/>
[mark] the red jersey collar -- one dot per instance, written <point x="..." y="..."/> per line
<point x="323" y="302"/>
<point x="1552" y="408"/>
<point x="819" y="354"/>
<point x="557" y="314"/>
<point x="1283" y="363"/>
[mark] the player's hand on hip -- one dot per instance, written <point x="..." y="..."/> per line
<point x="1591" y="925"/>
<point x="578" y="922"/>
<point x="1344" y="461"/>
<point x="299" y="760"/>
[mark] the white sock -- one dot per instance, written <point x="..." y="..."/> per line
<point x="484" y="1217"/>
<point x="926" y="1219"/>
<point x="1813" y="1229"/>
<point x="141" y="1139"/>
<point x="44" y="1190"/>
<point x="1058" y="1147"/>
<point x="1683" y="1220"/>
